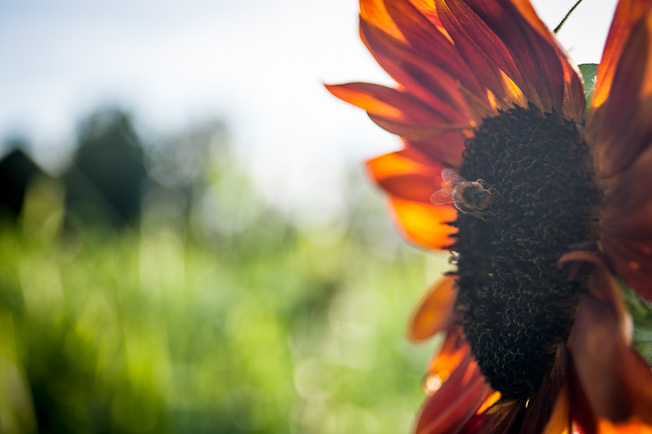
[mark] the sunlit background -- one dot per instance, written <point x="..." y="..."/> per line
<point x="187" y="240"/>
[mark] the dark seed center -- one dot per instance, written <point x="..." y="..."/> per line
<point x="516" y="307"/>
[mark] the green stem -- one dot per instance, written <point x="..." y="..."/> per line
<point x="566" y="17"/>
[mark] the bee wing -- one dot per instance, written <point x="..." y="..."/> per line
<point x="442" y="197"/>
<point x="451" y="177"/>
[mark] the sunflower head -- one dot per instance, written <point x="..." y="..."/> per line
<point x="540" y="201"/>
<point x="515" y="306"/>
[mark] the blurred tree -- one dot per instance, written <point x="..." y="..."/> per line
<point x="104" y="182"/>
<point x="17" y="169"/>
<point x="179" y="166"/>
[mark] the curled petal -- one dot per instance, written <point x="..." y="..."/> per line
<point x="424" y="224"/>
<point x="616" y="380"/>
<point x="631" y="259"/>
<point x="619" y="123"/>
<point x="601" y="285"/>
<point x="435" y="312"/>
<point x="627" y="226"/>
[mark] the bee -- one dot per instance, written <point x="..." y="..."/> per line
<point x="473" y="198"/>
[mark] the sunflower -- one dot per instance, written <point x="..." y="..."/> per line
<point x="545" y="205"/>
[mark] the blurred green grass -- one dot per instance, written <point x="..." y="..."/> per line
<point x="273" y="329"/>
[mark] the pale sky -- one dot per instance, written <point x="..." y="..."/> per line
<point x="258" y="64"/>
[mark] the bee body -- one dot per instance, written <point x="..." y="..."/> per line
<point x="469" y="197"/>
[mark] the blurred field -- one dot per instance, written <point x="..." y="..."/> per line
<point x="246" y="323"/>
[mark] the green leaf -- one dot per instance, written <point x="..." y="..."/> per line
<point x="588" y="71"/>
<point x="641" y="311"/>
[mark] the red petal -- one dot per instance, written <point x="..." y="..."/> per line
<point x="619" y="125"/>
<point x="520" y="45"/>
<point x="431" y="44"/>
<point x="452" y="352"/>
<point x="574" y="102"/>
<point x="501" y="419"/>
<point x="396" y="111"/>
<point x="601" y="284"/>
<point x="448" y="410"/>
<point x="435" y="312"/>
<point x="627" y="226"/>
<point x="406" y="174"/>
<point x="424" y="224"/>
<point x="411" y="187"/>
<point x="446" y="148"/>
<point x="635" y="427"/>
<point x="540" y="407"/>
<point x="547" y="411"/>
<point x="632" y="260"/>
<point x="375" y="12"/>
<point x="420" y="77"/>
<point x="560" y="420"/>
<point x="628" y="13"/>
<point x="464" y="27"/>
<point x="416" y="132"/>
<point x="582" y="415"/>
<point x="617" y="381"/>
<point x="387" y="103"/>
